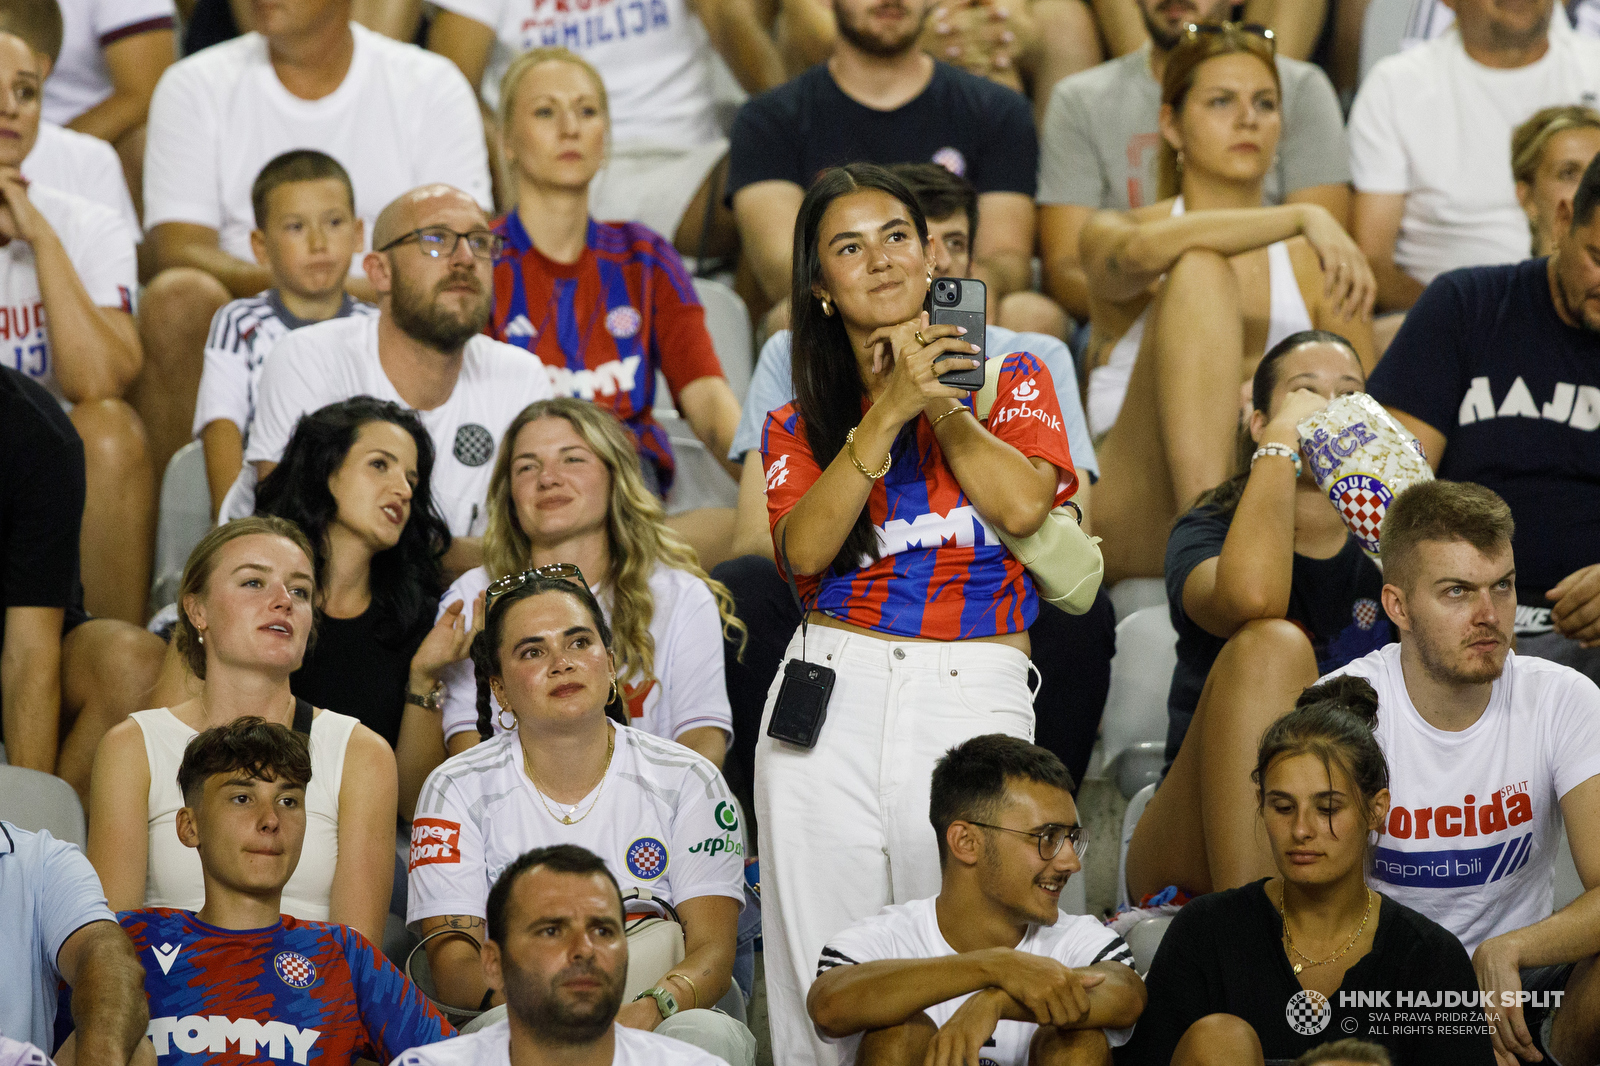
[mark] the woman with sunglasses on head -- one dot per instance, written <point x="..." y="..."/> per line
<point x="885" y="494"/>
<point x="567" y="489"/>
<point x="569" y="773"/>
<point x="245" y="618"/>
<point x="1265" y="972"/>
<point x="1186" y="294"/>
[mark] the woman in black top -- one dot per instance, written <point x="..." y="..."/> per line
<point x="1268" y="591"/>
<point x="1265" y="972"/>
<point x="355" y="477"/>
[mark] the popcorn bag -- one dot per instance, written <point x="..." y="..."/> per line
<point x="1362" y="458"/>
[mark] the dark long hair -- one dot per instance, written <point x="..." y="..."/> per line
<point x="406" y="580"/>
<point x="1224" y="499"/>
<point x="827" y="381"/>
<point x="486" y="645"/>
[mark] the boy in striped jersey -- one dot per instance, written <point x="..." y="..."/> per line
<point x="989" y="970"/>
<point x="306" y="231"/>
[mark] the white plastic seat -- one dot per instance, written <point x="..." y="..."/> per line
<point x="1568" y="885"/>
<point x="728" y="322"/>
<point x="1136" y="593"/>
<point x="1130" y="819"/>
<point x="33" y="801"/>
<point x="1143" y="940"/>
<point x="699" y="481"/>
<point x="185" y="517"/>
<point x="1133" y="729"/>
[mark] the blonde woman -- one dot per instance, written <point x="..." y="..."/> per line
<point x="1549" y="154"/>
<point x="566" y="488"/>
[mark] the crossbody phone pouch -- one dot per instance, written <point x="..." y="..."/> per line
<point x="803" y="697"/>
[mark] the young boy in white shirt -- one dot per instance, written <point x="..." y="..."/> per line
<point x="306" y="231"/>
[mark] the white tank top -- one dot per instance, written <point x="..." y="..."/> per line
<point x="172" y="875"/>
<point x="1286" y="315"/>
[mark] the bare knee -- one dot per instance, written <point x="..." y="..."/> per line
<point x="1069" y="1047"/>
<point x="179" y="299"/>
<point x="905" y="1044"/>
<point x="113" y="436"/>
<point x="1032" y="312"/>
<point x="110" y="668"/>
<point x="1270" y="644"/>
<point x="1218" y="1040"/>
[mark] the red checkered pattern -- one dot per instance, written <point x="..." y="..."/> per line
<point x="295" y="969"/>
<point x="1363" y="512"/>
<point x="645" y="858"/>
<point x="1366" y="613"/>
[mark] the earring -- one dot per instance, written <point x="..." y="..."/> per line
<point x="615" y="693"/>
<point x="201" y="636"/>
<point x="930" y="277"/>
<point x="499" y="717"/>
<point x="1180" y="161"/>
<point x="827" y="308"/>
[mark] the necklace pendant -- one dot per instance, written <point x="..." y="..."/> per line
<point x="1298" y="967"/>
<point x="566" y="819"/>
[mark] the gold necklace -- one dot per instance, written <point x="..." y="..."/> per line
<point x="1309" y="961"/>
<point x="568" y="819"/>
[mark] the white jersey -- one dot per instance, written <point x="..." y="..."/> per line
<point x="491" y="1046"/>
<point x="401" y="118"/>
<point x="80" y="78"/>
<point x="243" y="334"/>
<point x="69" y="161"/>
<point x="664" y="820"/>
<point x="911" y="931"/>
<point x="16" y="1053"/>
<point x="333" y="361"/>
<point x="102" y="253"/>
<point x="1474" y="817"/>
<point x="689" y="690"/>
<point x="653" y="55"/>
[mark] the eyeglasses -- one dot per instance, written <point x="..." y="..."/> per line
<point x="1253" y="28"/>
<point x="512" y="582"/>
<point x="436" y="241"/>
<point x="1051" y="839"/>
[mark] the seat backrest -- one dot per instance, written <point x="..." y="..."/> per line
<point x="1130" y="819"/>
<point x="1143" y="940"/>
<point x="185" y="517"/>
<point x="1383" y="26"/>
<point x="728" y="322"/>
<point x="1141" y="674"/>
<point x="34" y="801"/>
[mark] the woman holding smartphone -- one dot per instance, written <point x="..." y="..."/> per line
<point x="885" y="495"/>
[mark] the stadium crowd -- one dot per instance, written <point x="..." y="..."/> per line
<point x="483" y="723"/>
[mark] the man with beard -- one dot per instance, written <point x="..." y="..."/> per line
<point x="556" y="951"/>
<point x="1489" y="753"/>
<point x="1100" y="143"/>
<point x="881" y="99"/>
<point x="432" y="266"/>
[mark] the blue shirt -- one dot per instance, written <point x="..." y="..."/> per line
<point x="772" y="386"/>
<point x="48" y="891"/>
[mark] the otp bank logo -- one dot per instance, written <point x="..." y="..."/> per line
<point x="434" y="840"/>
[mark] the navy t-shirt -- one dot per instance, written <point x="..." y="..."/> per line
<point x="971" y="126"/>
<point x="1485" y="359"/>
<point x="1337" y="602"/>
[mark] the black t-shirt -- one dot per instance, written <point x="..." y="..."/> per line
<point x="41" y="501"/>
<point x="351" y="670"/>
<point x="1485" y="359"/>
<point x="1223" y="954"/>
<point x="1338" y="602"/>
<point x="973" y="127"/>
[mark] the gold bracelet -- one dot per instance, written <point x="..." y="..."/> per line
<point x="957" y="409"/>
<point x="850" y="446"/>
<point x="685" y="979"/>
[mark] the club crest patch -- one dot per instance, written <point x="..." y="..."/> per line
<point x="647" y="858"/>
<point x="294" y="969"/>
<point x="1365" y="613"/>
<point x="623" y="322"/>
<point x="474" y="445"/>
<point x="1363" y="500"/>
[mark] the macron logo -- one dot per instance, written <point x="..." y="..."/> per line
<point x="520" y="327"/>
<point x="166" y="955"/>
<point x="194" y="1035"/>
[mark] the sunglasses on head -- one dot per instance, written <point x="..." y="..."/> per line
<point x="512" y="582"/>
<point x="1255" y="29"/>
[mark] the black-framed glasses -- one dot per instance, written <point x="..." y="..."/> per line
<point x="512" y="582"/>
<point x="436" y="241"/>
<point x="1051" y="839"/>
<point x="1255" y="29"/>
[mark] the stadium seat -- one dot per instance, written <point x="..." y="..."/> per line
<point x="33" y="801"/>
<point x="1130" y="819"/>
<point x="728" y="322"/>
<point x="1134" y="727"/>
<point x="700" y="480"/>
<point x="1382" y="28"/>
<point x="185" y="517"/>
<point x="1144" y="938"/>
<point x="1569" y="886"/>
<point x="1136" y="593"/>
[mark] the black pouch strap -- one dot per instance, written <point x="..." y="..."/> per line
<point x="302" y="716"/>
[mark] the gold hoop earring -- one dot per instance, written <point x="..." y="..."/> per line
<point x="827" y="308"/>
<point x="616" y="693"/>
<point x="499" y="717"/>
<point x="930" y="277"/>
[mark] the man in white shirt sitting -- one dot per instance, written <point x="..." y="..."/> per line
<point x="1490" y="752"/>
<point x="1428" y="137"/>
<point x="433" y="259"/>
<point x="395" y="116"/>
<point x="989" y="970"/>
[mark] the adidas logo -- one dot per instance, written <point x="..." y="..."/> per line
<point x="520" y="327"/>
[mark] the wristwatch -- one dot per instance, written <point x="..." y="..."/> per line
<point x="433" y="701"/>
<point x="665" y="1002"/>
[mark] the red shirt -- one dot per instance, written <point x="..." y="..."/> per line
<point x="942" y="572"/>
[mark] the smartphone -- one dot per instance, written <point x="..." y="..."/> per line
<point x="802" y="704"/>
<point x="960" y="302"/>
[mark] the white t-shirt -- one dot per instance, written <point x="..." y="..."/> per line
<point x="1428" y="19"/>
<point x="333" y="361"/>
<point x="654" y="56"/>
<point x="664" y="821"/>
<point x="102" y="253"/>
<point x="491" y="1046"/>
<point x="1475" y="820"/>
<point x="401" y="118"/>
<point x="243" y="334"/>
<point x="911" y="931"/>
<point x="688" y="691"/>
<point x="1434" y="124"/>
<point x="80" y="79"/>
<point x="69" y="161"/>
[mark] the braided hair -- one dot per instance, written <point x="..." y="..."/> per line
<point x="486" y="645"/>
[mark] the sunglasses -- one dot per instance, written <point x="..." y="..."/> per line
<point x="1255" y="29"/>
<point x="512" y="582"/>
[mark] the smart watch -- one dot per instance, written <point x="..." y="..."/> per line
<point x="665" y="1002"/>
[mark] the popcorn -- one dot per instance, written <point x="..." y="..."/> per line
<point x="1362" y="458"/>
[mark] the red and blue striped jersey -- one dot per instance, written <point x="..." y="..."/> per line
<point x="311" y="993"/>
<point x="942" y="572"/>
<point x="604" y="325"/>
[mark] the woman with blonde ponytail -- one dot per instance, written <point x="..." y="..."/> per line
<point x="567" y="488"/>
